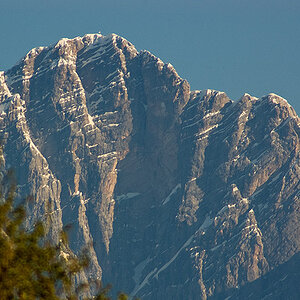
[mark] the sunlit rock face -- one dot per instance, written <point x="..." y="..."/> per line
<point x="176" y="194"/>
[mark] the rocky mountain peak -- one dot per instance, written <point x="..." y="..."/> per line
<point x="179" y="193"/>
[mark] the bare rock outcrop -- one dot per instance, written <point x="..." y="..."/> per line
<point x="178" y="194"/>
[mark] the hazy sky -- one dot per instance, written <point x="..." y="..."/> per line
<point x="234" y="46"/>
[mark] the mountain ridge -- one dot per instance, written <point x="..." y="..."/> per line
<point x="179" y="193"/>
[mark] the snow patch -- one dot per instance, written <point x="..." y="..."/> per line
<point x="275" y="178"/>
<point x="207" y="222"/>
<point x="174" y="191"/>
<point x="216" y="247"/>
<point x="126" y="196"/>
<point x="211" y="114"/>
<point x="259" y="190"/>
<point x="165" y="266"/>
<point x="140" y="286"/>
<point x="192" y="179"/>
<point x="92" y="146"/>
<point x="207" y="130"/>
<point x="139" y="269"/>
<point x="105" y="155"/>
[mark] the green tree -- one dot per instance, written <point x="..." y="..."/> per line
<point x="30" y="267"/>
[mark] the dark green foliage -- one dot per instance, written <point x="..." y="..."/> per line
<point x="30" y="267"/>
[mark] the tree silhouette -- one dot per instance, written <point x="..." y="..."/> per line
<point x="32" y="268"/>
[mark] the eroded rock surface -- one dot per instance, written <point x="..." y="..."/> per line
<point x="179" y="194"/>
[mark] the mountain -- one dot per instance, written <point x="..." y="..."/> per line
<point x="178" y="194"/>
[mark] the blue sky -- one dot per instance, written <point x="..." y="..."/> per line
<point x="234" y="46"/>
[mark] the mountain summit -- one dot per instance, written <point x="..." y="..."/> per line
<point x="179" y="194"/>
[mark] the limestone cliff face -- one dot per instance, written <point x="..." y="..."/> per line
<point x="178" y="193"/>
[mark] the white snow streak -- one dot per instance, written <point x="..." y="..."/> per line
<point x="155" y="273"/>
<point x="174" y="191"/>
<point x="126" y="196"/>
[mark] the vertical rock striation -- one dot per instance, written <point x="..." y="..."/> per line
<point x="176" y="193"/>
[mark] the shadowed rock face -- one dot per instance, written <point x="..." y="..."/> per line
<point x="179" y="194"/>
